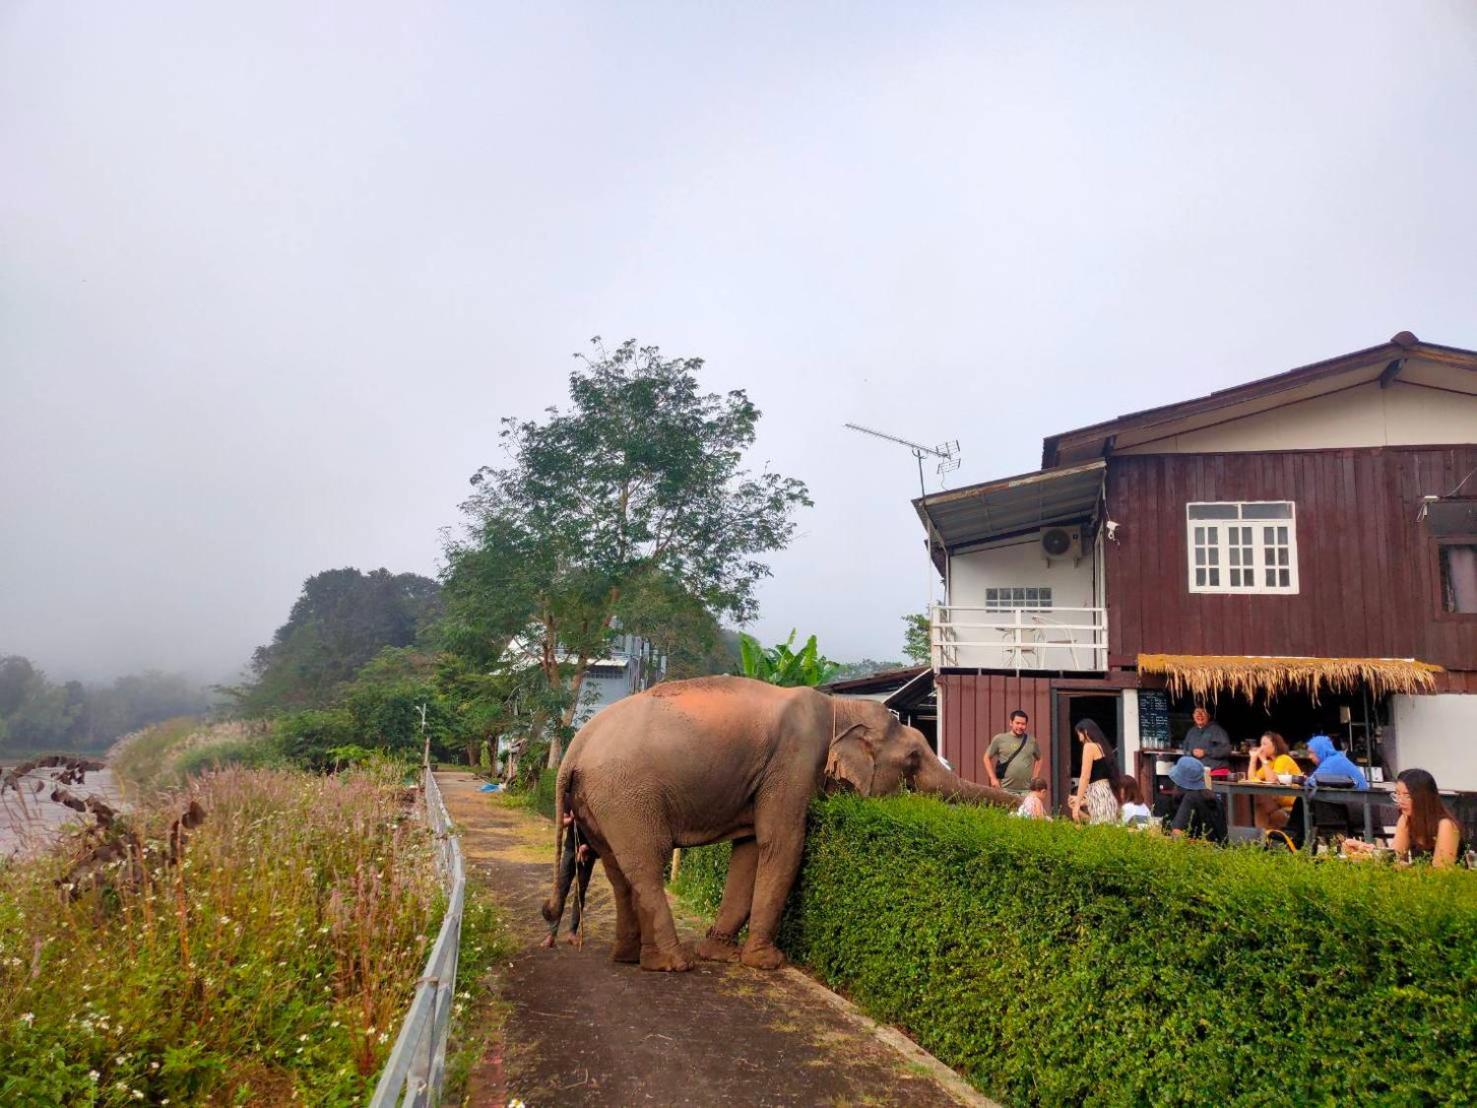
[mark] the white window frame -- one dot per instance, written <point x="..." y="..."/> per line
<point x="1258" y="547"/>
<point x="1010" y="598"/>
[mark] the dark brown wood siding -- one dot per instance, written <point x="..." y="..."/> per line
<point x="1368" y="576"/>
<point x="974" y="708"/>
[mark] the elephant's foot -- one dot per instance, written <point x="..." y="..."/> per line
<point x="718" y="948"/>
<point x="626" y="950"/>
<point x="765" y="956"/>
<point x="675" y="961"/>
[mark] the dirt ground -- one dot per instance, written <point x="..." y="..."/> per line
<point x="583" y="1030"/>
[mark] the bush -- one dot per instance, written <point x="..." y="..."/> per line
<point x="1057" y="964"/>
<point x="543" y="792"/>
<point x="309" y="739"/>
<point x="246" y="753"/>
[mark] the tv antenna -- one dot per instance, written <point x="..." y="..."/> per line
<point x="946" y="452"/>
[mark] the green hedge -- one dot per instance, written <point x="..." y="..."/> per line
<point x="1057" y="964"/>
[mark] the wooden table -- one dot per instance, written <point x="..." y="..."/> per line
<point x="1367" y="798"/>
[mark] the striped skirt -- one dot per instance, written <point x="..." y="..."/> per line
<point x="1101" y="804"/>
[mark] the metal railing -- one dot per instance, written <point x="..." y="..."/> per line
<point x="416" y="1066"/>
<point x="1019" y="638"/>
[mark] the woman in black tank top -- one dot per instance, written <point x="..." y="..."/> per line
<point x="1095" y="801"/>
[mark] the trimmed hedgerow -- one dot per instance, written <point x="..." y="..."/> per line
<point x="1058" y="964"/>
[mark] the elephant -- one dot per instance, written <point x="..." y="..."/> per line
<point x="689" y="763"/>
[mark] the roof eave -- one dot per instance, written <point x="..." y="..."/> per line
<point x="1403" y="345"/>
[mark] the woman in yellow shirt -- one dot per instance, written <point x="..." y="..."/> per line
<point x="1268" y="760"/>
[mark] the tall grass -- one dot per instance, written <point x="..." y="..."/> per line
<point x="274" y="960"/>
<point x="165" y="754"/>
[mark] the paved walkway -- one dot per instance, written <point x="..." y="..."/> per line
<point x="583" y="1030"/>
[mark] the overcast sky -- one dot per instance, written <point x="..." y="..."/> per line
<point x="268" y="279"/>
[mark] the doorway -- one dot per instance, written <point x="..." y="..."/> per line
<point x="1103" y="709"/>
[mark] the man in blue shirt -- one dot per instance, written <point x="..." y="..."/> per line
<point x="1332" y="763"/>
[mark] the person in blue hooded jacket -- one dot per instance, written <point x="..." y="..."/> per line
<point x="1332" y="763"/>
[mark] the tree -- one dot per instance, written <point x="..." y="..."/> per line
<point x="781" y="664"/>
<point x="916" y="639"/>
<point x="340" y="621"/>
<point x="638" y="485"/>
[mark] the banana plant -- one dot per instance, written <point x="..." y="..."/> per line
<point x="782" y="664"/>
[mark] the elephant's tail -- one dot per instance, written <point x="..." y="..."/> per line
<point x="553" y="909"/>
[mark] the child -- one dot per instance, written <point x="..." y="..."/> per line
<point x="1034" y="806"/>
<point x="1135" y="812"/>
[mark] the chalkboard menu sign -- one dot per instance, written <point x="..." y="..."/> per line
<point x="1153" y="719"/>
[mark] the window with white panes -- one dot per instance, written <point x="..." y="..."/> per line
<point x="1242" y="546"/>
<point x="1005" y="599"/>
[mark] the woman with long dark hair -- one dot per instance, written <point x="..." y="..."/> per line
<point x="1095" y="801"/>
<point x="1427" y="829"/>
<point x="1269" y="759"/>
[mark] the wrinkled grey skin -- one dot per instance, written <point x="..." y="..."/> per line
<point x="690" y="763"/>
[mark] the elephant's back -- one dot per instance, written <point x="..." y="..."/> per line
<point x="683" y="713"/>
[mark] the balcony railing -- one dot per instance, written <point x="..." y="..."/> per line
<point x="1016" y="639"/>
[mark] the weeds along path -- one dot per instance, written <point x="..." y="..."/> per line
<point x="581" y="1030"/>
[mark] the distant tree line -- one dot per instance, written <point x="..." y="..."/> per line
<point x="38" y="715"/>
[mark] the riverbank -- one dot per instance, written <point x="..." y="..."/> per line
<point x="254" y="938"/>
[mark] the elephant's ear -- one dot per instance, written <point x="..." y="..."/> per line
<point x="851" y="759"/>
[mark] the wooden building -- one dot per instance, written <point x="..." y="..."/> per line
<point x="1300" y="550"/>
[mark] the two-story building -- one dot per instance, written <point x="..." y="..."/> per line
<point x="1299" y="551"/>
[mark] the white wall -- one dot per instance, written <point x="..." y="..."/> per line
<point x="1405" y="414"/>
<point x="1439" y="734"/>
<point x="1129" y="740"/>
<point x="1020" y="562"/>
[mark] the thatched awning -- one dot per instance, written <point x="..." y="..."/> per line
<point x="1205" y="676"/>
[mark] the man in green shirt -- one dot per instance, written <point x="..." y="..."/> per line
<point x="1018" y="751"/>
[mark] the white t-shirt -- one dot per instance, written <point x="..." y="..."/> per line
<point x="1136" y="813"/>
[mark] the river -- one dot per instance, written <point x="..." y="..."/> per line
<point x="30" y="820"/>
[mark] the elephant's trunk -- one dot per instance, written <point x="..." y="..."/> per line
<point x="936" y="780"/>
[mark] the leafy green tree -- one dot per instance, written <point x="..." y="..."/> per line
<point x="18" y="677"/>
<point x="916" y="639"/>
<point x="639" y="485"/>
<point x="338" y="624"/>
<point x="310" y="738"/>
<point x="38" y="715"/>
<point x="781" y="664"/>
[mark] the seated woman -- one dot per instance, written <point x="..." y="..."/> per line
<point x="1267" y="761"/>
<point x="1426" y="830"/>
<point x="1134" y="812"/>
<point x="1034" y="806"/>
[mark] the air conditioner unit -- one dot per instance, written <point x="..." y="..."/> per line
<point x="1062" y="542"/>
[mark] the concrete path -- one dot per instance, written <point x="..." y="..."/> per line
<point x="582" y="1030"/>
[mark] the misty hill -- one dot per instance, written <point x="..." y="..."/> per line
<point x="341" y="620"/>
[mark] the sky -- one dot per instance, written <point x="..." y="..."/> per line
<point x="271" y="273"/>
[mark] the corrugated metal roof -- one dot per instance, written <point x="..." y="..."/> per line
<point x="1012" y="505"/>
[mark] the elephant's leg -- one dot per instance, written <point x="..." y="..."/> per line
<point x="627" y="946"/>
<point x="779" y="828"/>
<point x="660" y="949"/>
<point x="720" y="945"/>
